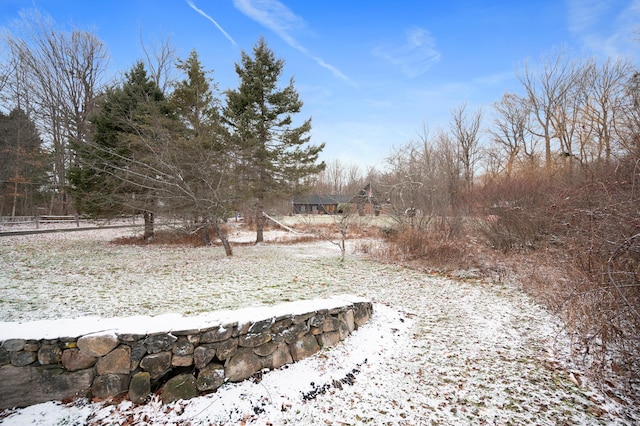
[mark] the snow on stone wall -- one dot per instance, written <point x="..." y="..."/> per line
<point x="178" y="357"/>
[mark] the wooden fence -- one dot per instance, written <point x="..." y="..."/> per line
<point x="37" y="220"/>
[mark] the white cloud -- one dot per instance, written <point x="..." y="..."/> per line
<point x="584" y="14"/>
<point x="414" y="55"/>
<point x="201" y="12"/>
<point x="604" y="27"/>
<point x="273" y="15"/>
<point x="281" y="20"/>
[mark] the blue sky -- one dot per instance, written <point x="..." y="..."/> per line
<point x="372" y="74"/>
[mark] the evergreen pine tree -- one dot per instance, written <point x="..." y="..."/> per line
<point x="23" y="164"/>
<point x="201" y="156"/>
<point x="271" y="156"/>
<point x="111" y="172"/>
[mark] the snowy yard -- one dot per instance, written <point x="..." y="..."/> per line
<point x="436" y="351"/>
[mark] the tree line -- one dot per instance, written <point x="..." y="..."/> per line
<point x="147" y="144"/>
<point x="571" y="118"/>
<point x="150" y="143"/>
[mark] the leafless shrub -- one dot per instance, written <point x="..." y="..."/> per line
<point x="448" y="228"/>
<point x="590" y="240"/>
<point x="513" y="228"/>
<point x="299" y="239"/>
<point x="187" y="235"/>
<point x="517" y="212"/>
<point x="169" y="236"/>
<point x="365" y="246"/>
<point x="603" y="309"/>
<point x="432" y="247"/>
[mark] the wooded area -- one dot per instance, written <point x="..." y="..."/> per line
<point x="148" y="145"/>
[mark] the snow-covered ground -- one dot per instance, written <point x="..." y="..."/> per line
<point x="436" y="351"/>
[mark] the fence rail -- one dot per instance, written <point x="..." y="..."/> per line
<point x="37" y="220"/>
<point x="27" y="225"/>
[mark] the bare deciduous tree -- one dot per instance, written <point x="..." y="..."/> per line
<point x="63" y="72"/>
<point x="629" y="130"/>
<point x="465" y="129"/>
<point x="511" y="133"/>
<point x="332" y="179"/>
<point x="603" y="107"/>
<point x="160" y="59"/>
<point x="545" y="89"/>
<point x="422" y="179"/>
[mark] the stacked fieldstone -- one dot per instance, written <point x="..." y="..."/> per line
<point x="179" y="364"/>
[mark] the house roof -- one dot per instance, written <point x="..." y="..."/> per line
<point x="321" y="199"/>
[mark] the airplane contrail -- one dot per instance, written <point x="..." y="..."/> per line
<point x="279" y="19"/>
<point x="201" y="12"/>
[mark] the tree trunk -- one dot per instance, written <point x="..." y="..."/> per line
<point x="15" y="198"/>
<point x="148" y="225"/>
<point x="259" y="223"/>
<point x="343" y="236"/>
<point x="206" y="237"/>
<point x="223" y="239"/>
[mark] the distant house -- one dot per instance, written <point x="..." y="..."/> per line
<point x="319" y="204"/>
<point x="365" y="200"/>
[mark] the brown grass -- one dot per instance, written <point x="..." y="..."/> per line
<point x="180" y="236"/>
<point x="172" y="237"/>
<point x="435" y="249"/>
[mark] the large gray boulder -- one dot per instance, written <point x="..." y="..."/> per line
<point x="182" y="386"/>
<point x="23" y="386"/>
<point x="242" y="365"/>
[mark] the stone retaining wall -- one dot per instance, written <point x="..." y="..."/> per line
<point x="195" y="356"/>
